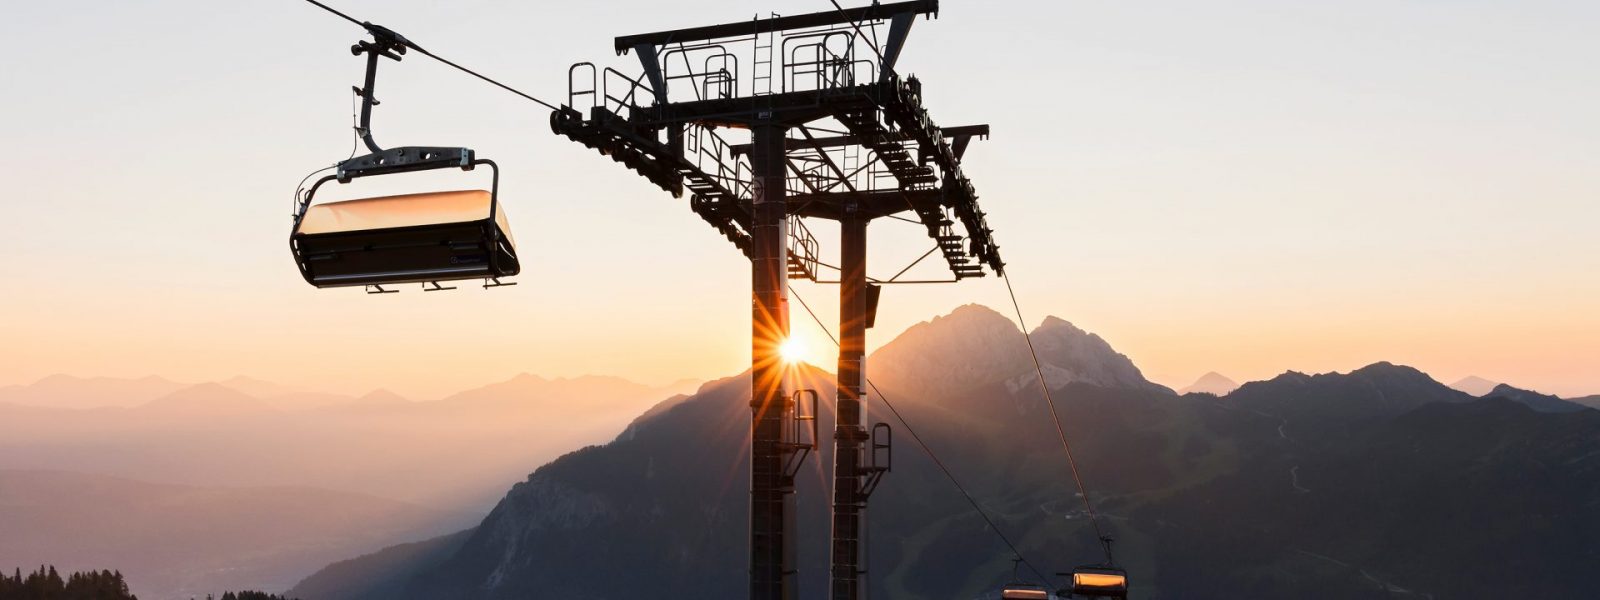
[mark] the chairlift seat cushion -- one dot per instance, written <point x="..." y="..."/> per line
<point x="410" y="238"/>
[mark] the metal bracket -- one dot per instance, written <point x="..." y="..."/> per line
<point x="378" y="289"/>
<point x="405" y="159"/>
<point x="436" y="287"/>
<point x="800" y="451"/>
<point x="494" y="282"/>
<point x="882" y="445"/>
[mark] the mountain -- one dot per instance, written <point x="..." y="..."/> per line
<point x="1072" y="355"/>
<point x="974" y="344"/>
<point x="181" y="541"/>
<point x="1589" y="401"/>
<point x="1377" y="482"/>
<point x="455" y="453"/>
<point x="284" y="397"/>
<point x="208" y="399"/>
<point x="1474" y="385"/>
<point x="1211" y="383"/>
<point x="65" y="391"/>
<point x="1535" y="400"/>
<point x="259" y="388"/>
<point x="1354" y="399"/>
<point x="379" y="574"/>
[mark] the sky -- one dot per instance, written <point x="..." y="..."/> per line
<point x="1246" y="187"/>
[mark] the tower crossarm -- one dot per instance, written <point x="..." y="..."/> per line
<point x="640" y="150"/>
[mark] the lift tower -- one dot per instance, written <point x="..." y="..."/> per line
<point x="833" y="132"/>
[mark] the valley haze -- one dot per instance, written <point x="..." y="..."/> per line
<point x="351" y="476"/>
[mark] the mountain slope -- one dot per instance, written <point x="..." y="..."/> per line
<point x="381" y="574"/>
<point x="1378" y="482"/>
<point x="1535" y="400"/>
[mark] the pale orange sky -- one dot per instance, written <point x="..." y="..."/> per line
<point x="1248" y="188"/>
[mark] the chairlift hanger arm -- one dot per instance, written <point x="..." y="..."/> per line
<point x="385" y="44"/>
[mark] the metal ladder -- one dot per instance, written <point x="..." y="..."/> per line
<point x="762" y="66"/>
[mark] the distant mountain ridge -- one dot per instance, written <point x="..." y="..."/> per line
<point x="1535" y="400"/>
<point x="66" y="391"/>
<point x="1589" y="401"/>
<point x="1277" y="489"/>
<point x="453" y="455"/>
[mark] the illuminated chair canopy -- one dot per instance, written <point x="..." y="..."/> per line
<point x="1099" y="581"/>
<point x="410" y="238"/>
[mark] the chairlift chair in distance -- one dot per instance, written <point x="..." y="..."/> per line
<point x="1104" y="580"/>
<point x="410" y="238"/>
<point x="1017" y="591"/>
<point x="1099" y="581"/>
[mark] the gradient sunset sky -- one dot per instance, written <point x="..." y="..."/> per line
<point x="1247" y="187"/>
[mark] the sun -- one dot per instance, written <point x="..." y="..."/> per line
<point x="792" y="350"/>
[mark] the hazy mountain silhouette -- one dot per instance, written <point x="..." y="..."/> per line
<point x="182" y="541"/>
<point x="453" y="453"/>
<point x="1377" y="482"/>
<point x="66" y="391"/>
<point x="1475" y="385"/>
<point x="1213" y="383"/>
<point x="1589" y="401"/>
<point x="456" y="453"/>
<point x="208" y="399"/>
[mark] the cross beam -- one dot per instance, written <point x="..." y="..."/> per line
<point x="829" y="18"/>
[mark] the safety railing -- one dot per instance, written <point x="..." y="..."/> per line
<point x="713" y="155"/>
<point x="717" y="77"/>
<point x="803" y="247"/>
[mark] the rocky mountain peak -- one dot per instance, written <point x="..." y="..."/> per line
<point x="975" y="345"/>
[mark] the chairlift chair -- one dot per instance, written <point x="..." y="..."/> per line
<point x="410" y="238"/>
<point x="1099" y="581"/>
<point x="1103" y="580"/>
<point x="1020" y="591"/>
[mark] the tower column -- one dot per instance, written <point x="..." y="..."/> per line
<point x="771" y="490"/>
<point x="849" y="437"/>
